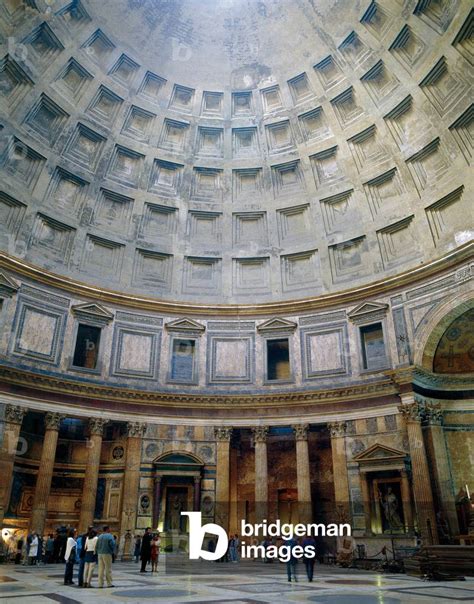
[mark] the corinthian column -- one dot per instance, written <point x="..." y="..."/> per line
<point x="303" y="480"/>
<point x="438" y="455"/>
<point x="131" y="484"/>
<point x="337" y="431"/>
<point x="91" y="475"/>
<point x="413" y="413"/>
<point x="13" y="419"/>
<point x="52" y="422"/>
<point x="223" y="435"/>
<point x="261" y="473"/>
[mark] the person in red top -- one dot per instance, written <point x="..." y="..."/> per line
<point x="155" y="551"/>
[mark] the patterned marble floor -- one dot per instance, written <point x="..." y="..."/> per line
<point x="243" y="583"/>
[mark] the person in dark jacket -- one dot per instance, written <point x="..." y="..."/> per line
<point x="145" y="552"/>
<point x="309" y="561"/>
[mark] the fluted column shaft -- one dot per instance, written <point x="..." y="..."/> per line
<point x="131" y="484"/>
<point x="156" y="502"/>
<point x="261" y="473"/>
<point x="197" y="494"/>
<point x="365" y="491"/>
<point x="223" y="436"/>
<point x="91" y="475"/>
<point x="13" y="419"/>
<point x="45" y="472"/>
<point x="303" y="478"/>
<point x="339" y="466"/>
<point x="413" y="413"/>
<point x="406" y="502"/>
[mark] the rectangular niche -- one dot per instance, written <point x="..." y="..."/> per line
<point x="231" y="359"/>
<point x="250" y="227"/>
<point x="182" y="99"/>
<point x="173" y="135"/>
<point x="429" y="165"/>
<point x="300" y="271"/>
<point x="448" y="214"/>
<point x="113" y="211"/>
<point x="373" y="347"/>
<point x="151" y="86"/>
<point x="12" y="212"/>
<point x="242" y="104"/>
<point x="138" y="124"/>
<point x="158" y="221"/>
<point x="313" y="125"/>
<point x="300" y="88"/>
<point x="104" y="106"/>
<point x="46" y="119"/>
<point x="277" y="360"/>
<point x="408" y="47"/>
<point x="135" y="352"/>
<point x="210" y="141"/>
<point x="84" y="147"/>
<point x="329" y="72"/>
<point x="202" y="275"/>
<point x="38" y="331"/>
<point x="247" y="183"/>
<point x="346" y="107"/>
<point x="212" y="104"/>
<point x="124" y="70"/>
<point x="44" y="43"/>
<point x="244" y="142"/>
<point x="153" y="268"/>
<point x="287" y="178"/>
<point x="183" y="361"/>
<point x="354" y="51"/>
<point x="53" y="238"/>
<point x="165" y="178"/>
<point x="380" y="83"/>
<point x="73" y="79"/>
<point x="339" y="212"/>
<point x="251" y="275"/>
<point x="279" y="137"/>
<point x="366" y="148"/>
<point x="204" y="227"/>
<point x="102" y="256"/>
<point x="207" y="184"/>
<point x="326" y="170"/>
<point x="66" y="191"/>
<point x="14" y="81"/>
<point x="444" y="87"/>
<point x="271" y="99"/>
<point x="126" y="167"/>
<point x="397" y="242"/>
<point x="325" y="352"/>
<point x="383" y="189"/>
<point x="22" y="162"/>
<point x="349" y="260"/>
<point x="98" y="47"/>
<point x="294" y="223"/>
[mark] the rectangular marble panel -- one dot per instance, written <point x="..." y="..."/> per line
<point x="135" y="352"/>
<point x="325" y="352"/>
<point x="230" y="359"/>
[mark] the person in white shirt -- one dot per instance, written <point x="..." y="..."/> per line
<point x="33" y="550"/>
<point x="70" y="557"/>
<point x="90" y="557"/>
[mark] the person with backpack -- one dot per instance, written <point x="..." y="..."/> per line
<point x="80" y="558"/>
<point x="70" y="557"/>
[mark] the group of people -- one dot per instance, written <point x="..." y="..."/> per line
<point x="147" y="549"/>
<point x="36" y="549"/>
<point x="87" y="550"/>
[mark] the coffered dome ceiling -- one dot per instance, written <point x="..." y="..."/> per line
<point x="234" y="151"/>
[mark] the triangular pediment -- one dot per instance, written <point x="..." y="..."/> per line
<point x="379" y="452"/>
<point x="185" y="325"/>
<point x="368" y="310"/>
<point x="7" y="285"/>
<point x="277" y="324"/>
<point x="93" y="312"/>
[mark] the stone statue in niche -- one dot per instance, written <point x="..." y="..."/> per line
<point x="389" y="503"/>
<point x="176" y="521"/>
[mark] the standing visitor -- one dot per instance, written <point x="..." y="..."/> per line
<point x="236" y="545"/>
<point x="90" y="556"/>
<point x="104" y="549"/>
<point x="232" y="552"/>
<point x="145" y="552"/>
<point x="138" y="545"/>
<point x="114" y="555"/>
<point x="49" y="549"/>
<point x="19" y="549"/>
<point x="155" y="552"/>
<point x="309" y="561"/>
<point x="70" y="557"/>
<point x="81" y="541"/>
<point x="292" y="561"/>
<point x="32" y="547"/>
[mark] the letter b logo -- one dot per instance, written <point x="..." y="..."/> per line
<point x="196" y="538"/>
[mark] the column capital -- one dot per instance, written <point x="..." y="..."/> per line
<point x="301" y="431"/>
<point x="97" y="425"/>
<point x="52" y="420"/>
<point x="337" y="429"/>
<point x="158" y="478"/>
<point x="14" y="414"/>
<point x="197" y="479"/>
<point x="260" y="434"/>
<point x="223" y="433"/>
<point x="412" y="412"/>
<point x="136" y="429"/>
<point x="433" y="414"/>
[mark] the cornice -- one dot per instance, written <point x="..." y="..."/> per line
<point x="30" y="380"/>
<point x="377" y="288"/>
